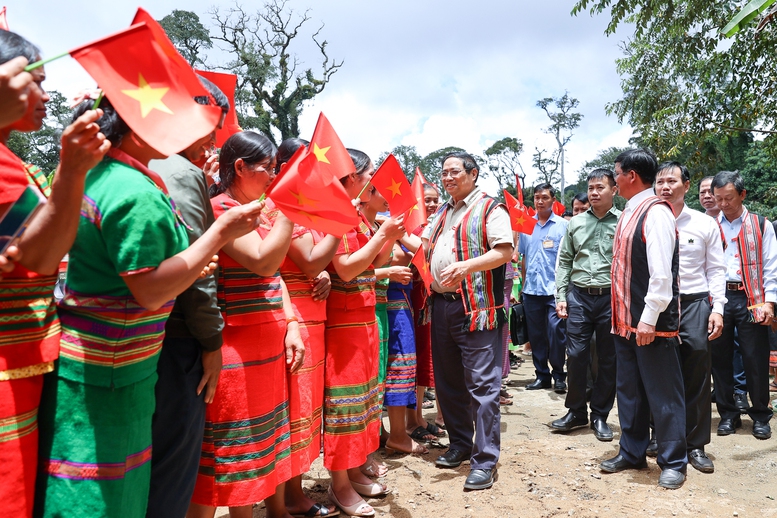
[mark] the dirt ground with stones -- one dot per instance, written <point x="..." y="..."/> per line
<point x="543" y="474"/>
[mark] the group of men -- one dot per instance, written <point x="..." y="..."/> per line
<point x="667" y="294"/>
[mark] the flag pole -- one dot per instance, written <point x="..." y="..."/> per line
<point x="97" y="101"/>
<point x="42" y="62"/>
<point x="358" y="196"/>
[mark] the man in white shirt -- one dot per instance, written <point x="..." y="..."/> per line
<point x="702" y="277"/>
<point x="646" y="323"/>
<point x="751" y="290"/>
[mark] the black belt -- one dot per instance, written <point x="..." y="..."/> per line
<point x="449" y="296"/>
<point x="688" y="297"/>
<point x="734" y="286"/>
<point x="594" y="291"/>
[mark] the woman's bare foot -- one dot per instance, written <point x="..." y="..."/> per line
<point x="374" y="469"/>
<point x="407" y="445"/>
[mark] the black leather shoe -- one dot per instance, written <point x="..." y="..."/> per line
<point x="671" y="479"/>
<point x="601" y="429"/>
<point x="618" y="463"/>
<point x="699" y="460"/>
<point x="568" y="422"/>
<point x="480" y="479"/>
<point x="652" y="449"/>
<point x="761" y="430"/>
<point x="729" y="426"/>
<point x="538" y="384"/>
<point x="451" y="458"/>
<point x="740" y="401"/>
<point x="560" y="387"/>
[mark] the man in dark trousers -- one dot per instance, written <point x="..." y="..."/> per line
<point x="469" y="242"/>
<point x="646" y="324"/>
<point x="583" y="299"/>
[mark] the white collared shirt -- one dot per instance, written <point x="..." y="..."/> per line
<point x="660" y="235"/>
<point x="702" y="264"/>
<point x="768" y="254"/>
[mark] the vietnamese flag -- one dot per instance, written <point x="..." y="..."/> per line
<point x="148" y="89"/>
<point x="419" y="260"/>
<point x="531" y="211"/>
<point x="311" y="196"/>
<point x="558" y="208"/>
<point x="416" y="216"/>
<point x="391" y="182"/>
<point x="3" y="20"/>
<point x="520" y="220"/>
<point x="331" y="153"/>
<point x="519" y="189"/>
<point x="227" y="84"/>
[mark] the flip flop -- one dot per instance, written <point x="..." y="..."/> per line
<point x="505" y="401"/>
<point x="316" y="511"/>
<point x="422" y="434"/>
<point x="435" y="430"/>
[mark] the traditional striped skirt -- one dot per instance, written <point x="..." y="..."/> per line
<point x="306" y="398"/>
<point x="400" y="376"/>
<point x="423" y="336"/>
<point x="383" y="336"/>
<point x="95" y="449"/>
<point x="351" y="405"/>
<point x="246" y="447"/>
<point x="19" y="400"/>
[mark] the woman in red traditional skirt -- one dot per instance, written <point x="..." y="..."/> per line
<point x="246" y="447"/>
<point x="308" y="284"/>
<point x="351" y="406"/>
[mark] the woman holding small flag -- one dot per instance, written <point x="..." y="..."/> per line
<point x="246" y="447"/>
<point x="351" y="405"/>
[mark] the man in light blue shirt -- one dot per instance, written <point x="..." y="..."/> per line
<point x="547" y="333"/>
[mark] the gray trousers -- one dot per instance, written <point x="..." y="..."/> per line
<point x="467" y="374"/>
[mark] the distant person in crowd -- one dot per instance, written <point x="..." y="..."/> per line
<point x="580" y="203"/>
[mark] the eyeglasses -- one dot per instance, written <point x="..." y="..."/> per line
<point x="453" y="173"/>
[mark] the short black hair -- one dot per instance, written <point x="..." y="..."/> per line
<point x="545" y="187"/>
<point x="685" y="176"/>
<point x="642" y="161"/>
<point x="710" y="178"/>
<point x="724" y="178"/>
<point x="467" y="160"/>
<point x="215" y="92"/>
<point x="12" y="46"/>
<point x="286" y="150"/>
<point x="582" y="197"/>
<point x="596" y="174"/>
<point x="250" y="146"/>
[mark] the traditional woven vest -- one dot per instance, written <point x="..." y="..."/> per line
<point x="750" y="247"/>
<point x="482" y="292"/>
<point x="629" y="282"/>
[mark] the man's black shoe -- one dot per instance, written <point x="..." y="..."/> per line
<point x="601" y="429"/>
<point x="480" y="479"/>
<point x="740" y="401"/>
<point x="538" y="384"/>
<point x="560" y="387"/>
<point x="762" y="430"/>
<point x="451" y="458"/>
<point x="568" y="422"/>
<point x="618" y="463"/>
<point x="671" y="479"/>
<point x="729" y="426"/>
<point x="699" y="460"/>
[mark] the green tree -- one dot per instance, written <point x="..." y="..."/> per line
<point x="683" y="82"/>
<point x="562" y="121"/>
<point x="188" y="35"/>
<point x="271" y="90"/>
<point x="503" y="163"/>
<point x="41" y="147"/>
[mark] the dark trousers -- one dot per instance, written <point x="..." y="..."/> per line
<point x="649" y="378"/>
<point x="696" y="365"/>
<point x="547" y="335"/>
<point x="754" y="344"/>
<point x="467" y="375"/>
<point x="177" y="428"/>
<point x="589" y="314"/>
<point x="740" y="380"/>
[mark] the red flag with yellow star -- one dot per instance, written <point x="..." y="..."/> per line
<point x="558" y="208"/>
<point x="520" y="220"/>
<point x="391" y="182"/>
<point x="227" y="84"/>
<point x="419" y="261"/>
<point x="416" y="216"/>
<point x="148" y="89"/>
<point x="331" y="153"/>
<point x="311" y="196"/>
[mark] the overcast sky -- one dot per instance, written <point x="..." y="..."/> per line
<point x="429" y="74"/>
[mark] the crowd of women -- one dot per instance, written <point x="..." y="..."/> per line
<point x="320" y="332"/>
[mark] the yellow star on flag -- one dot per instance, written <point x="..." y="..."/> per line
<point x="148" y="97"/>
<point x="519" y="220"/>
<point x="414" y="207"/>
<point x="395" y="188"/>
<point x="311" y="217"/>
<point x="321" y="153"/>
<point x="304" y="200"/>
